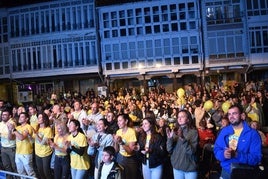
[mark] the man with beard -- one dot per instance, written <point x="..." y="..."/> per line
<point x="237" y="143"/>
<point x="8" y="142"/>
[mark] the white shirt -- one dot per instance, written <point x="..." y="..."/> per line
<point x="106" y="168"/>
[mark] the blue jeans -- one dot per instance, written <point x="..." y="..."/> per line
<point x="152" y="173"/>
<point x="225" y="174"/>
<point x="179" y="174"/>
<point x="24" y="164"/>
<point x="43" y="166"/>
<point x="62" y="167"/>
<point x="130" y="166"/>
<point x="78" y="174"/>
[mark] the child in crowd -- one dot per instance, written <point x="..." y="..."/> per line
<point x="109" y="168"/>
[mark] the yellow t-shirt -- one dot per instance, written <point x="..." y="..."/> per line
<point x="42" y="148"/>
<point x="60" y="141"/>
<point x="129" y="136"/>
<point x="5" y="142"/>
<point x="147" y="144"/>
<point x="233" y="139"/>
<point x="34" y="121"/>
<point x="79" y="162"/>
<point x="24" y="146"/>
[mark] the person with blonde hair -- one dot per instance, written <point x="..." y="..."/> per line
<point x="62" y="158"/>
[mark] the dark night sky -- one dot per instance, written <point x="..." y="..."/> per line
<point x="13" y="3"/>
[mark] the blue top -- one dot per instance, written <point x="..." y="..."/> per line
<point x="248" y="147"/>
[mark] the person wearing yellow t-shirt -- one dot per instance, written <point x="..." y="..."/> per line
<point x="77" y="148"/>
<point x="43" y="152"/>
<point x="24" y="145"/>
<point x="124" y="142"/>
<point x="62" y="159"/>
<point x="8" y="142"/>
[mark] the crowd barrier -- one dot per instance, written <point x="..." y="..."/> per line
<point x="4" y="174"/>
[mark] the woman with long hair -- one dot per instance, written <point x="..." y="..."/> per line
<point x="125" y="142"/>
<point x="62" y="159"/>
<point x="152" y="150"/>
<point x="98" y="142"/>
<point x="77" y="148"/>
<point x="43" y="151"/>
<point x="182" y="145"/>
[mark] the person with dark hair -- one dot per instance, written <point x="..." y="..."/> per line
<point x="76" y="147"/>
<point x="109" y="168"/>
<point x="152" y="150"/>
<point x="33" y="116"/>
<point x="124" y="142"/>
<point x="43" y="152"/>
<point x="98" y="141"/>
<point x="8" y="142"/>
<point x="182" y="145"/>
<point x="199" y="112"/>
<point x="2" y="105"/>
<point x="24" y="145"/>
<point x="237" y="143"/>
<point x="78" y="114"/>
<point x="112" y="123"/>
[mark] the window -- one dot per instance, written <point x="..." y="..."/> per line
<point x="122" y="22"/>
<point x="139" y="31"/>
<point x="149" y="48"/>
<point x="157" y="29"/>
<point x="116" y="65"/>
<point x="164" y="13"/>
<point x="106" y="34"/>
<point x="183" y="26"/>
<point x="192" y="25"/>
<point x="131" y="31"/>
<point x="124" y="51"/>
<point x="168" y="61"/>
<point x="133" y="64"/>
<point x="166" y="44"/>
<point x="174" y="27"/>
<point x="130" y="13"/>
<point x="125" y="65"/>
<point x="114" y="33"/>
<point x="148" y="30"/>
<point x="158" y="48"/>
<point x="123" y="32"/>
<point x="132" y="49"/>
<point x="195" y="59"/>
<point x="165" y="27"/>
<point x="176" y="60"/>
<point x="140" y="49"/>
<point x="150" y="62"/>
<point x="108" y="66"/>
<point x="185" y="60"/>
<point x="175" y="45"/>
<point x="116" y="54"/>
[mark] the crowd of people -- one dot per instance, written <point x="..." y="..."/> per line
<point x="136" y="134"/>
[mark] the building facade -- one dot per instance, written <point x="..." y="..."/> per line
<point x="75" y="45"/>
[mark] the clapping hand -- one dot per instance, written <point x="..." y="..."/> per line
<point x="169" y="133"/>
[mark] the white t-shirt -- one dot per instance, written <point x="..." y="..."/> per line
<point x="106" y="168"/>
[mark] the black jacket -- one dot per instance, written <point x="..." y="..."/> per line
<point x="157" y="151"/>
<point x="115" y="172"/>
